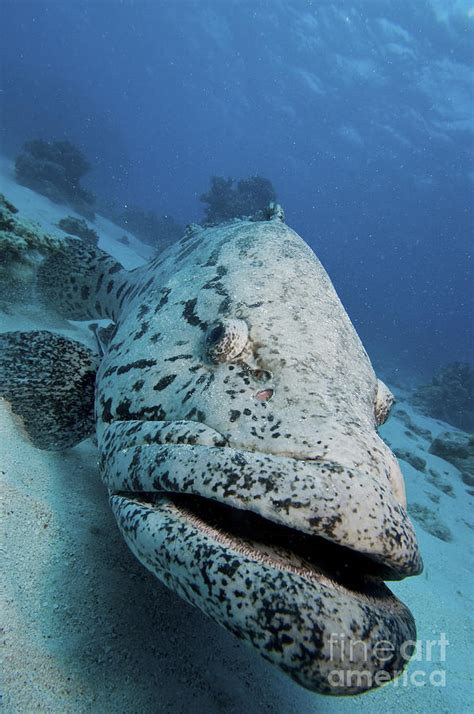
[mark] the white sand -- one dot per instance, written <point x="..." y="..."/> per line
<point x="87" y="629"/>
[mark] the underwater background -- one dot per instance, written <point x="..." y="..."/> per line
<point x="360" y="114"/>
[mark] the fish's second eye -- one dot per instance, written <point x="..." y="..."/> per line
<point x="226" y="339"/>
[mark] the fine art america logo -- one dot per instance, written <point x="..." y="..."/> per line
<point x="427" y="657"/>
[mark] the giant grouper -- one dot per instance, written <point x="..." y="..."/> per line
<point x="236" y="416"/>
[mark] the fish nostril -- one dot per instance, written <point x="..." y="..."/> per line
<point x="262" y="375"/>
<point x="264" y="395"/>
<point x="226" y="339"/>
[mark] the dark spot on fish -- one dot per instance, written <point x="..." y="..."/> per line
<point x="142" y="311"/>
<point x="163" y="299"/>
<point x="164" y="382"/>
<point x="189" y="314"/>
<point x="215" y="284"/>
<point x="110" y="370"/>
<point x="106" y="410"/>
<point x="224" y="307"/>
<point x="175" y="357"/>
<point x="234" y="414"/>
<point x="212" y="260"/>
<point x="190" y="248"/>
<point x="123" y="409"/>
<point x="139" y="364"/>
<point x="200" y="416"/>
<point x="120" y="290"/>
<point x="142" y="331"/>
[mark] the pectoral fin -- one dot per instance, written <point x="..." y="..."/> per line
<point x="49" y="381"/>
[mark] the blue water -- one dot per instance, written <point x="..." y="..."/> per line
<point x="360" y="113"/>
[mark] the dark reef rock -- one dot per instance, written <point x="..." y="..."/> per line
<point x="410" y="424"/>
<point x="439" y="482"/>
<point x="226" y="201"/>
<point x="78" y="227"/>
<point x="430" y="522"/>
<point x="467" y="478"/>
<point x="453" y="446"/>
<point x="450" y="396"/>
<point x="458" y="449"/>
<point x="55" y="169"/>
<point x="416" y="461"/>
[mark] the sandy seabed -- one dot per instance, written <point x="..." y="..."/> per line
<point x="87" y="629"/>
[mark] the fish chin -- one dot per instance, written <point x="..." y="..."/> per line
<point x="319" y="611"/>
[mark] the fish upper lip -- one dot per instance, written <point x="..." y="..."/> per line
<point x="241" y="492"/>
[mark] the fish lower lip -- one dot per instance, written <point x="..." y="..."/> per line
<point x="278" y="546"/>
<point x="301" y="610"/>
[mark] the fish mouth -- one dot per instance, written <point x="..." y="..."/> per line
<point x="311" y="496"/>
<point x="302" y="599"/>
<point x="280" y="547"/>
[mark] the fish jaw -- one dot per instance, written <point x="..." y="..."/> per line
<point x="275" y="549"/>
<point x="331" y="636"/>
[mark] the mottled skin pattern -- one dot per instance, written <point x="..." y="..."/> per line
<point x="45" y="370"/>
<point x="235" y="375"/>
<point x="288" y="616"/>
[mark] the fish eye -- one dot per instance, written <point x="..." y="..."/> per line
<point x="384" y="401"/>
<point x="226" y="339"/>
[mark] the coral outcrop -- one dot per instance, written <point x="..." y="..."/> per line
<point x="79" y="228"/>
<point x="450" y="396"/>
<point x="22" y="244"/>
<point x="225" y="200"/>
<point x="458" y="449"/>
<point x="55" y="170"/>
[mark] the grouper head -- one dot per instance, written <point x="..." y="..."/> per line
<point x="237" y="416"/>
